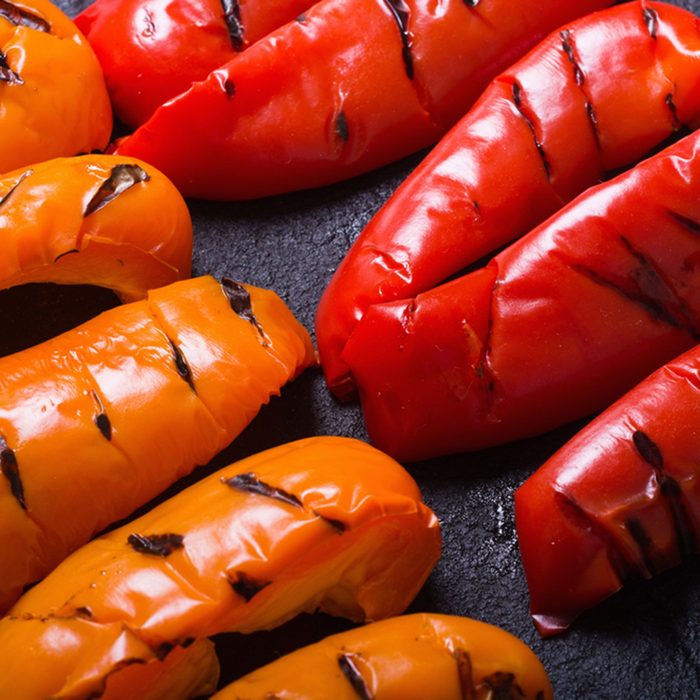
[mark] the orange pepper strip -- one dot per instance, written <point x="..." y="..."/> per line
<point x="407" y="658"/>
<point x="103" y="418"/>
<point x="323" y="523"/>
<point x="126" y="220"/>
<point x="53" y="99"/>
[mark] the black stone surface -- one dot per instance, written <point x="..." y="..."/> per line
<point x="643" y="643"/>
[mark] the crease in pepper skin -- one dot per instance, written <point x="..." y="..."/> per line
<point x="239" y="562"/>
<point x="558" y="121"/>
<point x="72" y="470"/>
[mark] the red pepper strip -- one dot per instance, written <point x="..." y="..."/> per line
<point x="543" y="132"/>
<point x="152" y="50"/>
<point x="350" y="87"/>
<point x="621" y="501"/>
<point x="557" y="326"/>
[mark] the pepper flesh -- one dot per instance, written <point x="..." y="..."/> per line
<point x="406" y="658"/>
<point x="370" y="82"/>
<point x="556" y="122"/>
<point x="94" y="219"/>
<point x="103" y="418"/>
<point x="52" y="92"/>
<point x="617" y="503"/>
<point x="557" y="326"/>
<point x="322" y="523"/>
<point x="152" y="50"/>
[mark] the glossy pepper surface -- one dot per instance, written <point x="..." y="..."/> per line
<point x="53" y="100"/>
<point x="413" y="657"/>
<point x="545" y="130"/>
<point x="323" y="523"/>
<point x="346" y="88"/>
<point x="95" y="219"/>
<point x="555" y="327"/>
<point x="619" y="502"/>
<point x="152" y="50"/>
<point x="103" y="418"/>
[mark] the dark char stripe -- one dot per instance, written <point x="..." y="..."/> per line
<point x="401" y="13"/>
<point x="471" y="3"/>
<point x="246" y="586"/>
<point x="102" y="421"/>
<point x="14" y="187"/>
<point x="7" y="75"/>
<point x="569" y="51"/>
<point x="23" y="18"/>
<point x="692" y="225"/>
<point x="651" y="19"/>
<point x="517" y="100"/>
<point x="123" y="177"/>
<point x="674" y="111"/>
<point x="465" y="673"/>
<point x="341" y="127"/>
<point x="158" y="545"/>
<point x="644" y="543"/>
<point x="72" y="251"/>
<point x="251" y="484"/>
<point x="502" y="686"/>
<point x="239" y="300"/>
<point x="338" y="525"/>
<point x="229" y="88"/>
<point x="10" y="470"/>
<point x="183" y="369"/>
<point x="232" y="17"/>
<point x="352" y="673"/>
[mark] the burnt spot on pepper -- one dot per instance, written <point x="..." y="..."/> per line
<point x="246" y="586"/>
<point x="229" y="88"/>
<point x="183" y="369"/>
<point x="84" y="613"/>
<point x="471" y="3"/>
<point x="104" y="425"/>
<point x="239" y="300"/>
<point x="14" y="187"/>
<point x="157" y="545"/>
<point x="674" y="111"/>
<point x="123" y="177"/>
<point x="341" y="127"/>
<point x="10" y="470"/>
<point x="401" y="12"/>
<point x="648" y="449"/>
<point x="72" y="251"/>
<point x="338" y="525"/>
<point x="502" y="686"/>
<point x="7" y="75"/>
<point x="651" y="19"/>
<point x="465" y="673"/>
<point x="568" y="48"/>
<point x="644" y="544"/>
<point x="690" y="224"/>
<point x="21" y="17"/>
<point x="348" y="667"/>
<point x="593" y="121"/>
<point x="301" y="19"/>
<point x="249" y="483"/>
<point x="518" y="102"/>
<point x="148" y="20"/>
<point x="232" y="17"/>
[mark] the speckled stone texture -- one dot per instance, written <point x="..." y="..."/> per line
<point x="643" y="643"/>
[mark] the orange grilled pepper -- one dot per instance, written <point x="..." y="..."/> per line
<point x="53" y="100"/>
<point x="323" y="523"/>
<point x="100" y="419"/>
<point x="102" y="220"/>
<point x="415" y="657"/>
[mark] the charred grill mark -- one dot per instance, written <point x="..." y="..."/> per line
<point x="651" y="19"/>
<point x="465" y="673"/>
<point x="7" y="75"/>
<point x="232" y="17"/>
<point x="338" y="525"/>
<point x="497" y="686"/>
<point x="102" y="421"/>
<point x="246" y="586"/>
<point x="593" y="120"/>
<point x="239" y="300"/>
<point x="401" y="13"/>
<point x="63" y="255"/>
<point x="341" y="127"/>
<point x="157" y="545"/>
<point x="23" y="18"/>
<point x="471" y="3"/>
<point x="229" y="88"/>
<point x="10" y="470"/>
<point x="648" y="450"/>
<point x="348" y="666"/>
<point x="301" y="19"/>
<point x="150" y="29"/>
<point x="123" y="177"/>
<point x="644" y="544"/>
<point x="690" y="224"/>
<point x="518" y="101"/>
<point x="674" y="112"/>
<point x="502" y="686"/>
<point x="84" y="612"/>
<point x="569" y="51"/>
<point x="249" y="483"/>
<point x="183" y="369"/>
<point x="14" y="187"/>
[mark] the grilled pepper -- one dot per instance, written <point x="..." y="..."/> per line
<point x="555" y="327"/>
<point x="100" y="419"/>
<point x="53" y="100"/>
<point x="555" y="123"/>
<point x="323" y="523"/>
<point x="344" y="89"/>
<point x="97" y="220"/>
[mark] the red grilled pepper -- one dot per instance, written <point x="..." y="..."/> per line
<point x="346" y="88"/>
<point x="557" y="326"/>
<point x="620" y="502"/>
<point x="544" y="131"/>
<point x="152" y="50"/>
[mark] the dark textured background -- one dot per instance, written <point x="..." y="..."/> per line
<point x="643" y="643"/>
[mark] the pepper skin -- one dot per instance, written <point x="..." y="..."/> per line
<point x="323" y="523"/>
<point x="557" y="326"/>
<point x="619" y="502"/>
<point x="52" y="94"/>
<point x="347" y="88"/>
<point x="94" y="219"/>
<point x="414" y="657"/>
<point x="555" y="122"/>
<point x="152" y="50"/>
<point x="99" y="420"/>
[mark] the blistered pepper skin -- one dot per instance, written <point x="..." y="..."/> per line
<point x="556" y="122"/>
<point x="346" y="88"/>
<point x="619" y="502"/>
<point x="152" y="50"/>
<point x="99" y="420"/>
<point x="413" y="657"/>
<point x="322" y="523"/>
<point x="557" y="326"/>
<point x="102" y="220"/>
<point x="52" y="92"/>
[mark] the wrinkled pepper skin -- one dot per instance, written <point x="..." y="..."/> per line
<point x="555" y="327"/>
<point x="95" y="219"/>
<point x="414" y="657"/>
<point x="99" y="420"/>
<point x="555" y="122"/>
<point x="346" y="88"/>
<point x="53" y="100"/>
<point x="323" y="523"/>
<point x="152" y="50"/>
<point x="619" y="502"/>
